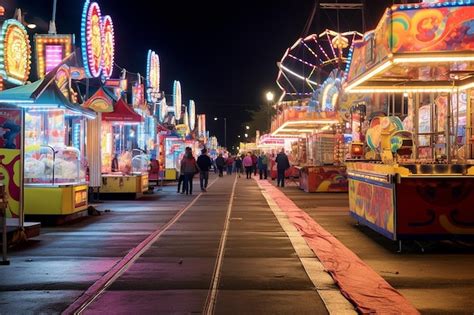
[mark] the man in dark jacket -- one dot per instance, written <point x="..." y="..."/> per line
<point x="282" y="165"/>
<point x="220" y="163"/>
<point x="204" y="162"/>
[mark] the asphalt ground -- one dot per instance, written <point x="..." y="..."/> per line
<point x="259" y="271"/>
<point x="437" y="280"/>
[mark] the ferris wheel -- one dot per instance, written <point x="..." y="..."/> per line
<point x="308" y="63"/>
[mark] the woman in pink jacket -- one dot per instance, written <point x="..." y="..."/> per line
<point x="248" y="164"/>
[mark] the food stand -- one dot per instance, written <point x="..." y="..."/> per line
<point x="417" y="181"/>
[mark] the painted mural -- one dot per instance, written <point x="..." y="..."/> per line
<point x="10" y="158"/>
<point x="428" y="29"/>
<point x="373" y="203"/>
<point x="435" y="207"/>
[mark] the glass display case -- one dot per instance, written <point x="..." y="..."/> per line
<point x="174" y="150"/>
<point x="54" y="143"/>
<point x="140" y="161"/>
<point x="49" y="165"/>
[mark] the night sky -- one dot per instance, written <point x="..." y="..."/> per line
<point x="224" y="54"/>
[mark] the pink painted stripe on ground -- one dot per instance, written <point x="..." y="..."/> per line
<point x="359" y="283"/>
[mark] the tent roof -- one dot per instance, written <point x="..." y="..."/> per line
<point x="122" y="113"/>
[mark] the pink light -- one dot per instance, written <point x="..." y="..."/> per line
<point x="53" y="56"/>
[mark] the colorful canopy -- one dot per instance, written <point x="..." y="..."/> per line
<point x="122" y="113"/>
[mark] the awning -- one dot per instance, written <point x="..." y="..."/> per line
<point x="100" y="102"/>
<point x="295" y="121"/>
<point x="122" y="113"/>
<point x="41" y="94"/>
<point x="416" y="48"/>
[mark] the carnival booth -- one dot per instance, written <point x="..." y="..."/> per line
<point x="15" y="55"/>
<point x="54" y="175"/>
<point x="417" y="67"/>
<point x="119" y="140"/>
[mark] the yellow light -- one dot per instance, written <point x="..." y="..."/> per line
<point x="270" y="96"/>
<point x="467" y="86"/>
<point x="402" y="89"/>
<point x="430" y="59"/>
<point x="303" y="122"/>
<point x="369" y="75"/>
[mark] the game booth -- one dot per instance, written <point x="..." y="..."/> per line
<point x="314" y="148"/>
<point x="15" y="56"/>
<point x="119" y="131"/>
<point x="415" y="178"/>
<point x="54" y="155"/>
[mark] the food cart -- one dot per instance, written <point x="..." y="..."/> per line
<point x="417" y="67"/>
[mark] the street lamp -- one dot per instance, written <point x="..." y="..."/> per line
<point x="270" y="96"/>
<point x="247" y="127"/>
<point x="246" y="135"/>
<point x="225" y="129"/>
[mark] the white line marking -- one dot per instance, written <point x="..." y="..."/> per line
<point x="210" y="304"/>
<point x="96" y="289"/>
<point x="332" y="297"/>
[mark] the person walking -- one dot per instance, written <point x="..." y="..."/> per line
<point x="204" y="163"/>
<point x="238" y="165"/>
<point x="248" y="164"/>
<point x="220" y="163"/>
<point x="180" y="178"/>
<point x="282" y="165"/>
<point x="254" y="163"/>
<point x="230" y="164"/>
<point x="189" y="167"/>
<point x="262" y="164"/>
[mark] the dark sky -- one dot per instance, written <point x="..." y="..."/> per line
<point x="224" y="53"/>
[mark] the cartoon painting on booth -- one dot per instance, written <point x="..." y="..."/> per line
<point x="373" y="203"/>
<point x="10" y="156"/>
<point x="435" y="207"/>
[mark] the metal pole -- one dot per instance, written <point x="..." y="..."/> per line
<point x="448" y="130"/>
<point x="3" y="211"/>
<point x="55" y="2"/>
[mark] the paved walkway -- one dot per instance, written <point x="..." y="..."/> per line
<point x="439" y="280"/>
<point x="220" y="252"/>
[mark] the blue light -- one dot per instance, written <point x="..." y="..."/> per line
<point x="83" y="38"/>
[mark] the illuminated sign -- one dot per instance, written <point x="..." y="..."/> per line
<point x="177" y="99"/>
<point x="15" y="52"/>
<point x="192" y="114"/>
<point x="91" y="33"/>
<point x="50" y="51"/>
<point x="108" y="46"/>
<point x="63" y="82"/>
<point x="138" y="98"/>
<point x="153" y="76"/>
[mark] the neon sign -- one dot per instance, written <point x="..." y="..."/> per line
<point x="91" y="33"/>
<point x="177" y="99"/>
<point x="15" y="52"/>
<point x="153" y="76"/>
<point x="108" y="46"/>
<point x="192" y="114"/>
<point x="51" y="50"/>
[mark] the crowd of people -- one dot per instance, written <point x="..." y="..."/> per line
<point x="249" y="163"/>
